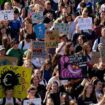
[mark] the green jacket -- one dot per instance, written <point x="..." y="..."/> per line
<point x="15" y="53"/>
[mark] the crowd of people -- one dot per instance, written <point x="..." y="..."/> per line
<point x="17" y="37"/>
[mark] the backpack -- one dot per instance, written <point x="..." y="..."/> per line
<point x="98" y="42"/>
<point x="4" y="101"/>
<point x="22" y="45"/>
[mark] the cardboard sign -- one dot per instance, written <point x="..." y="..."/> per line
<point x="39" y="49"/>
<point x="52" y="38"/>
<point x="8" y="61"/>
<point x="61" y="27"/>
<point x="6" y="15"/>
<point x="17" y="77"/>
<point x="39" y="30"/>
<point x="37" y="17"/>
<point x="36" y="101"/>
<point x="85" y="23"/>
<point x="72" y="67"/>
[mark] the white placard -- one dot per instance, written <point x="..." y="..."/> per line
<point x="36" y="101"/>
<point x="85" y="23"/>
<point x="6" y="15"/>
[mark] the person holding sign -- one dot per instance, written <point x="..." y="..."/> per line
<point x="9" y="99"/>
<point x="32" y="97"/>
<point x="84" y="24"/>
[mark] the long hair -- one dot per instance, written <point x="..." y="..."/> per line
<point x="55" y="59"/>
<point x="83" y="94"/>
<point x="67" y="49"/>
<point x="85" y="45"/>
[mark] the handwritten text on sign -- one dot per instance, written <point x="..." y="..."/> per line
<point x="40" y="31"/>
<point x="6" y="15"/>
<point x="15" y="74"/>
<point x="85" y="23"/>
<point x="39" y="49"/>
<point x="52" y="38"/>
<point x="72" y="67"/>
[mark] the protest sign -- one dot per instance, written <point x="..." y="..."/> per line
<point x="61" y="27"/>
<point x="52" y="38"/>
<point x="6" y="15"/>
<point x="37" y="17"/>
<point x="39" y="49"/>
<point x="15" y="76"/>
<point x="39" y="30"/>
<point x="36" y="101"/>
<point x="85" y="23"/>
<point x="8" y="61"/>
<point x="72" y="67"/>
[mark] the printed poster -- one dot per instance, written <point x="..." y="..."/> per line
<point x="6" y="15"/>
<point x="52" y="39"/>
<point x="17" y="77"/>
<point x="74" y="67"/>
<point x="39" y="30"/>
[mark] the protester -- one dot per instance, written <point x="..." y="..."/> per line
<point x="9" y="99"/>
<point x="32" y="94"/>
<point x="67" y="69"/>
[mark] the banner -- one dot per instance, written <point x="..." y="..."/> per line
<point x="85" y="23"/>
<point x="39" y="49"/>
<point x="61" y="27"/>
<point x="37" y="17"/>
<point x="8" y="61"/>
<point x="36" y="101"/>
<point x="6" y="15"/>
<point x="15" y="76"/>
<point x="74" y="66"/>
<point x="39" y="30"/>
<point x="52" y="39"/>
